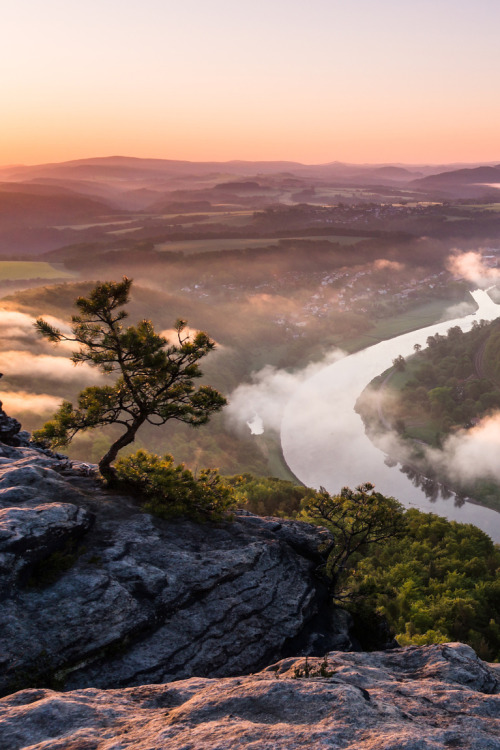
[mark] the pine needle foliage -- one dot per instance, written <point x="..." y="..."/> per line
<point x="153" y="378"/>
<point x="357" y="519"/>
<point x="171" y="491"/>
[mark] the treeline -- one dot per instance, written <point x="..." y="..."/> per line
<point x="453" y="382"/>
<point x="270" y="496"/>
<point x="314" y="252"/>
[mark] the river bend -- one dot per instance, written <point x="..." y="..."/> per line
<point x="324" y="441"/>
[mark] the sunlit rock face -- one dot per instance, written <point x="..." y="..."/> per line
<point x="417" y="698"/>
<point x="95" y="592"/>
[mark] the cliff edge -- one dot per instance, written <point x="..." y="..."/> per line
<point x="96" y="593"/>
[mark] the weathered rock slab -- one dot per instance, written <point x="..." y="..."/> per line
<point x="417" y="698"/>
<point x="30" y="534"/>
<point x="145" y="600"/>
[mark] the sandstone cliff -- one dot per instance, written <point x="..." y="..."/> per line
<point x="426" y="698"/>
<point x="96" y="593"/>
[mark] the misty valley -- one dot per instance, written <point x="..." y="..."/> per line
<point x="282" y="264"/>
<point x="250" y="376"/>
<point x="329" y="292"/>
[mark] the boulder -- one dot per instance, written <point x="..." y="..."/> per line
<point x="416" y="698"/>
<point x="9" y="428"/>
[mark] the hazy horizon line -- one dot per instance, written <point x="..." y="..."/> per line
<point x="457" y="163"/>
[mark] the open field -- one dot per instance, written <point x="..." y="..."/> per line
<point x="231" y="219"/>
<point x="417" y="317"/>
<point x="495" y="207"/>
<point x="107" y="222"/>
<point x="15" y="270"/>
<point x="125" y="231"/>
<point x="424" y="432"/>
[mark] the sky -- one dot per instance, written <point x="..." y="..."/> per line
<point x="317" y="81"/>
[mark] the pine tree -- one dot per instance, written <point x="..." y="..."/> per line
<point x="154" y="379"/>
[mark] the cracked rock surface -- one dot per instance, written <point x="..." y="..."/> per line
<point x="416" y="698"/>
<point x="140" y="600"/>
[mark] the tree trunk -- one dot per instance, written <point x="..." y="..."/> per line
<point x="107" y="471"/>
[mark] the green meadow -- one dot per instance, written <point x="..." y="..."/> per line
<point x="416" y="317"/>
<point x="15" y="270"/>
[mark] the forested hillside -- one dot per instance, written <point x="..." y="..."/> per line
<point x="443" y="391"/>
<point x="433" y="582"/>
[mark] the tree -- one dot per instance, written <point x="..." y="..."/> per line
<point x="399" y="363"/>
<point x="357" y="518"/>
<point x="155" y="377"/>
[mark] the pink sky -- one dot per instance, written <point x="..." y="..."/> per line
<point x="325" y="80"/>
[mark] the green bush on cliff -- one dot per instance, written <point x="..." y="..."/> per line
<point x="270" y="496"/>
<point x="170" y="491"/>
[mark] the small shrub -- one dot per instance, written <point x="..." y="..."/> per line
<point x="307" y="671"/>
<point x="169" y="491"/>
<point x="300" y="672"/>
<point x="323" y="669"/>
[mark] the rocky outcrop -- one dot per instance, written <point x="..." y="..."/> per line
<point x="425" y="698"/>
<point x="97" y="593"/>
<point x="10" y="429"/>
<point x="30" y="535"/>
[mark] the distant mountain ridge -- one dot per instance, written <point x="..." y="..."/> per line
<point x="118" y="165"/>
<point x="122" y="180"/>
<point x="475" y="175"/>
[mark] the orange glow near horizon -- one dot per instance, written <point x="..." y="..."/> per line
<point x="260" y="81"/>
<point x="378" y="146"/>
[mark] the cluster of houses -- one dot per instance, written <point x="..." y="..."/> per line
<point x="351" y="291"/>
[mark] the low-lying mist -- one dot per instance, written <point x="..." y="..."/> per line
<point x="22" y="402"/>
<point x="473" y="267"/>
<point x="269" y="392"/>
<point x="464" y="457"/>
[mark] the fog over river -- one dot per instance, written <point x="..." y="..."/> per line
<point x="324" y="441"/>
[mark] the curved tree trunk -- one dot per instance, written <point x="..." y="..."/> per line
<point x="107" y="471"/>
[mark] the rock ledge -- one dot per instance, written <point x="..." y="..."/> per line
<point x="417" y="698"/>
<point x="137" y="600"/>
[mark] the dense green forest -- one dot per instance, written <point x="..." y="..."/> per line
<point x="440" y="581"/>
<point x="435" y="581"/>
<point x="453" y="382"/>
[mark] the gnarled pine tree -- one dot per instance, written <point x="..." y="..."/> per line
<point x="155" y="377"/>
<point x="357" y="519"/>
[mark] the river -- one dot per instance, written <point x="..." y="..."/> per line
<point x="324" y="441"/>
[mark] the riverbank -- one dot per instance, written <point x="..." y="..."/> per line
<point x="324" y="442"/>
